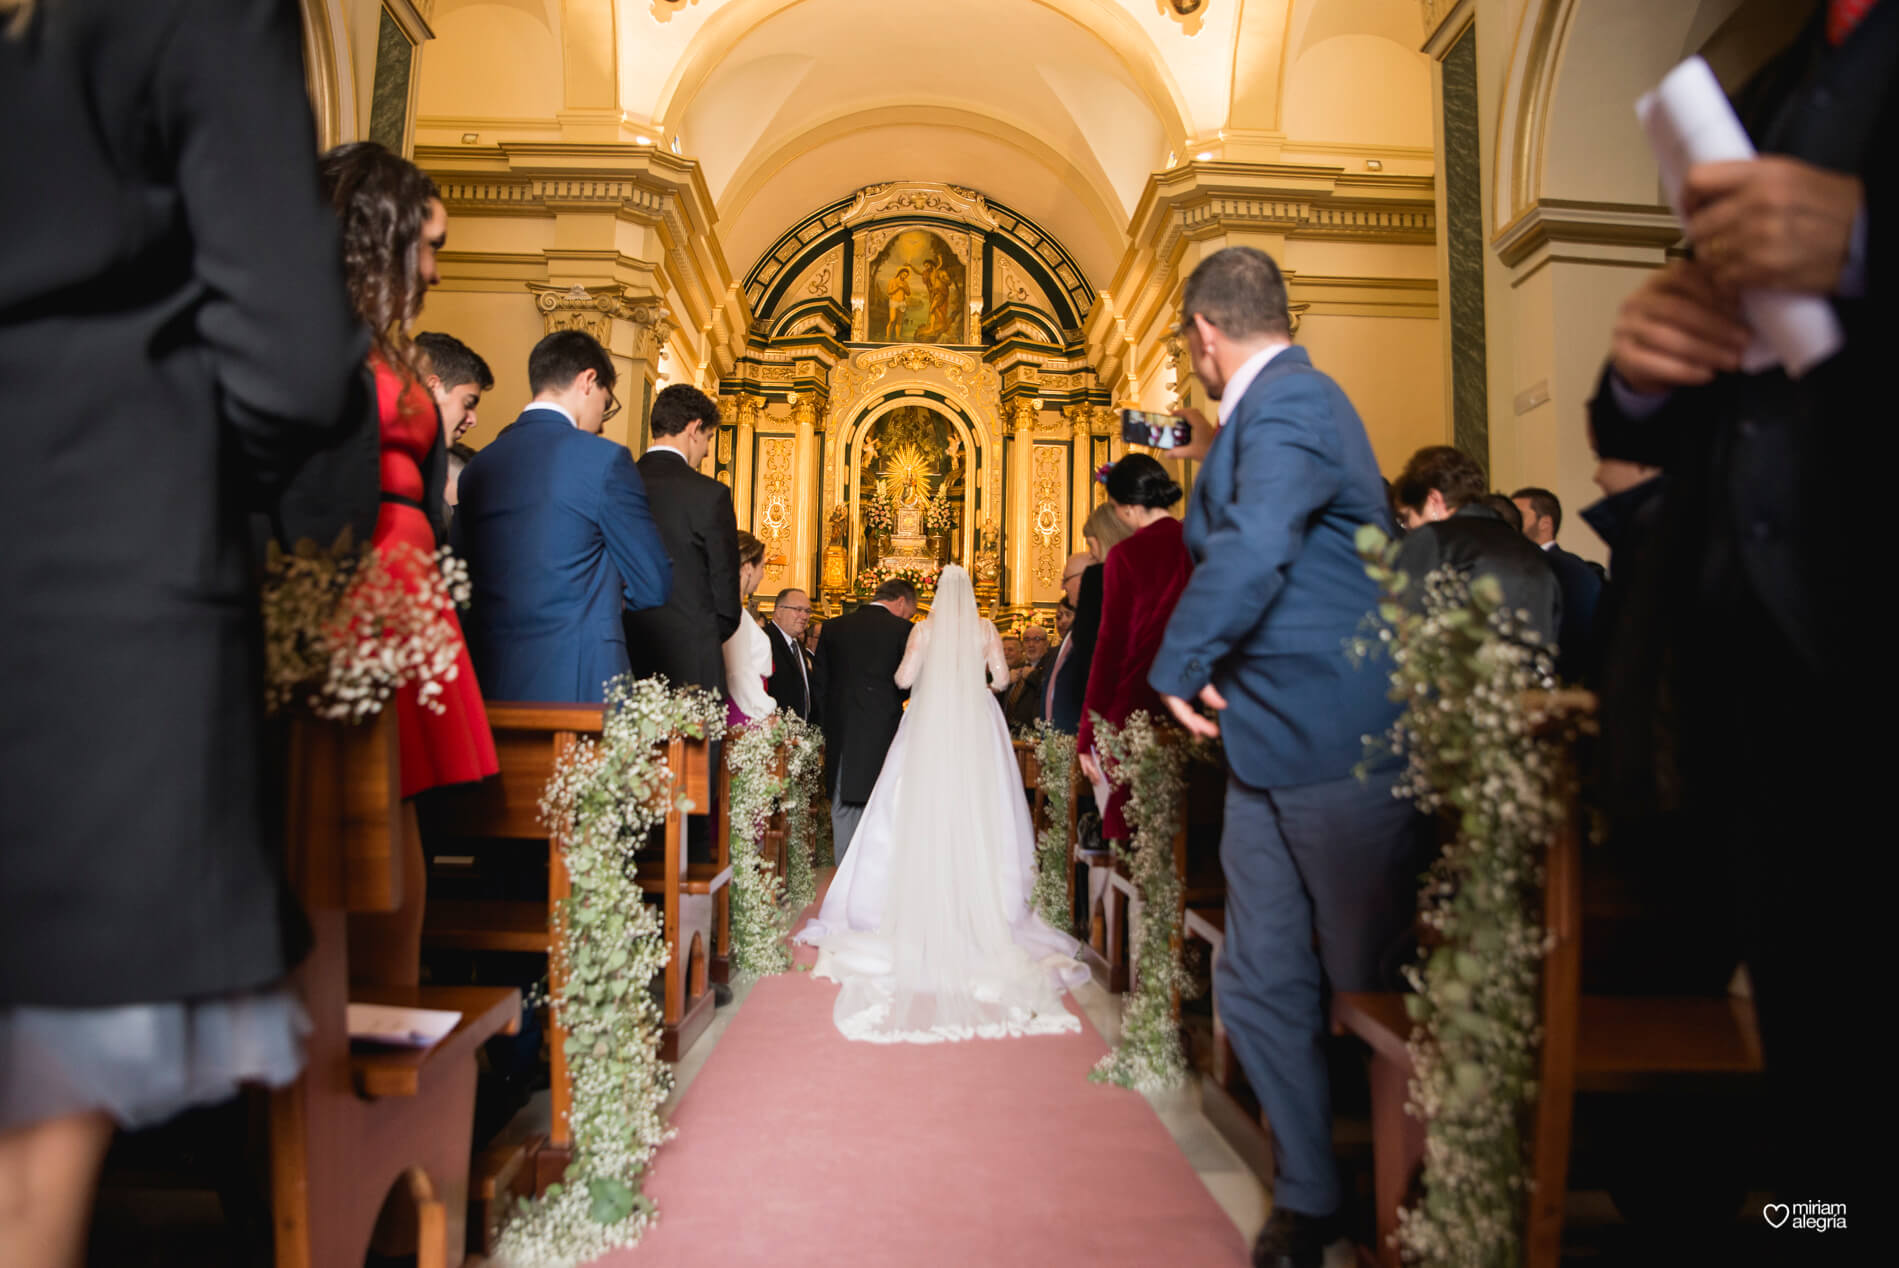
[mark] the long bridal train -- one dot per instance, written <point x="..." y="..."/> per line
<point x="927" y="924"/>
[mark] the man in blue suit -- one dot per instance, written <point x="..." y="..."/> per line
<point x="552" y="520"/>
<point x="1259" y="636"/>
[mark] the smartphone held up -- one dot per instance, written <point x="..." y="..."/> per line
<point x="1155" y="430"/>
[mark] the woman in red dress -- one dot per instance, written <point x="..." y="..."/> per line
<point x="393" y="221"/>
<point x="1142" y="579"/>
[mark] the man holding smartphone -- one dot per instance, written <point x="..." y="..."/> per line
<point x="1259" y="637"/>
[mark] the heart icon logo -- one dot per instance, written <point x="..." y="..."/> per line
<point x="1776" y="1213"/>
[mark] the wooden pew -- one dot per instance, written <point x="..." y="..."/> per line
<point x="361" y="1130"/>
<point x="1590" y="1043"/>
<point x="529" y="740"/>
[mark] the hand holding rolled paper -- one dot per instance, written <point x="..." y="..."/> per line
<point x="1709" y="171"/>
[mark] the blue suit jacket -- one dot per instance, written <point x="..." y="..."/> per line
<point x="554" y="526"/>
<point x="1278" y="587"/>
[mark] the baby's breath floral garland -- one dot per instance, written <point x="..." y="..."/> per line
<point x="1476" y="756"/>
<point x="1055" y="756"/>
<point x="1135" y="756"/>
<point x="805" y="773"/>
<point x="760" y="904"/>
<point x="605" y="797"/>
<point x="345" y="628"/>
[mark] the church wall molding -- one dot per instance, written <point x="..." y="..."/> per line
<point x="613" y="184"/>
<point x="1558" y="230"/>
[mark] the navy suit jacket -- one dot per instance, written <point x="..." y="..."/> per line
<point x="554" y="526"/>
<point x="1278" y="587"/>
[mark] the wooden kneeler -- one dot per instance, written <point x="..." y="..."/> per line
<point x="360" y="1131"/>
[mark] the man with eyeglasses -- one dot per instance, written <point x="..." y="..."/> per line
<point x="790" y="683"/>
<point x="552" y="519"/>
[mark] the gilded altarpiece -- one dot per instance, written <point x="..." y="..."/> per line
<point x="874" y="324"/>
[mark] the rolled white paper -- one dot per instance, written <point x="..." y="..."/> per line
<point x="1689" y="121"/>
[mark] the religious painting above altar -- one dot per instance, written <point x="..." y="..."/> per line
<point x="917" y="287"/>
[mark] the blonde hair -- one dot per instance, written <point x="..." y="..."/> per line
<point x="1107" y="528"/>
<point x="15" y="14"/>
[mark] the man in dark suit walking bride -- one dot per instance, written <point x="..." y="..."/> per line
<point x="855" y="674"/>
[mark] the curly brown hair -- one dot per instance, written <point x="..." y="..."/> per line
<point x="381" y="201"/>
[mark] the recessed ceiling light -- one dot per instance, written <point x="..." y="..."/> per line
<point x="643" y="140"/>
<point x="470" y="138"/>
<point x="1203" y="156"/>
<point x="1374" y="165"/>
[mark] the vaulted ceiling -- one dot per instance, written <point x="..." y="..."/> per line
<point x="1059" y="108"/>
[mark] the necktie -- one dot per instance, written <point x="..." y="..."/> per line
<point x="1048" y="696"/>
<point x="1842" y="16"/>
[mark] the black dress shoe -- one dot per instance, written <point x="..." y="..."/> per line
<point x="1292" y="1240"/>
<point x="721" y="994"/>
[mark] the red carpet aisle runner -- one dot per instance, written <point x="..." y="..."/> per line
<point x="799" y="1148"/>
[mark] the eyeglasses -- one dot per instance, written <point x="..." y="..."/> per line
<point x="613" y="406"/>
<point x="786" y="607"/>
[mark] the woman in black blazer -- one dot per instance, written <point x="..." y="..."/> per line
<point x="174" y="340"/>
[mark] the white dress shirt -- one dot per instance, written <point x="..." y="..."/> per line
<point x="1243" y="378"/>
<point x="747" y="666"/>
<point x="562" y="410"/>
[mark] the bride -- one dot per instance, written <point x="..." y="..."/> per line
<point x="927" y="924"/>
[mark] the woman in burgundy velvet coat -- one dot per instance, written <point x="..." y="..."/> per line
<point x="1142" y="580"/>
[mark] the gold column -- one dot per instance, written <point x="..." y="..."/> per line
<point x="806" y="499"/>
<point x="1081" y="433"/>
<point x="742" y="462"/>
<point x="633" y="330"/>
<point x="1018" y="532"/>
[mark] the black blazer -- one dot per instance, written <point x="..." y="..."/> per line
<point x="1581" y="587"/>
<point x="175" y="340"/>
<point x="1477" y="542"/>
<point x="858" y="655"/>
<point x="1756" y="463"/>
<point x="791" y="677"/>
<point x="683" y="639"/>
<point x="1071" y="684"/>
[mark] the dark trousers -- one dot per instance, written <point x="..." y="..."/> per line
<point x="1782" y="766"/>
<point x="1338" y="859"/>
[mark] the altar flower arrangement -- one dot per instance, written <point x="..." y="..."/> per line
<point x="879" y="515"/>
<point x="924" y="579"/>
<point x="939" y="516"/>
<point x="345" y="628"/>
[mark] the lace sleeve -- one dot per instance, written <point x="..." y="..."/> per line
<point x="913" y="655"/>
<point x="994" y="657"/>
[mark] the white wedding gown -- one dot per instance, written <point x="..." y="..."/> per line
<point x="927" y="923"/>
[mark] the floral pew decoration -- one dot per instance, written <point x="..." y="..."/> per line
<point x="1151" y="763"/>
<point x="603" y="801"/>
<point x="1478" y="755"/>
<point x="763" y="906"/>
<point x="1052" y="898"/>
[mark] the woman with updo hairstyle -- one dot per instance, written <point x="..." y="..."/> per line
<point x="1142" y="579"/>
<point x="748" y="651"/>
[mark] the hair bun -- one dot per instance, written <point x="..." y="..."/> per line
<point x="1138" y="480"/>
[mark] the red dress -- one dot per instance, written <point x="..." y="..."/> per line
<point x="1141" y="582"/>
<point x="454" y="746"/>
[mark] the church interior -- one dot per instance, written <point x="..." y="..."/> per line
<point x="923" y="255"/>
